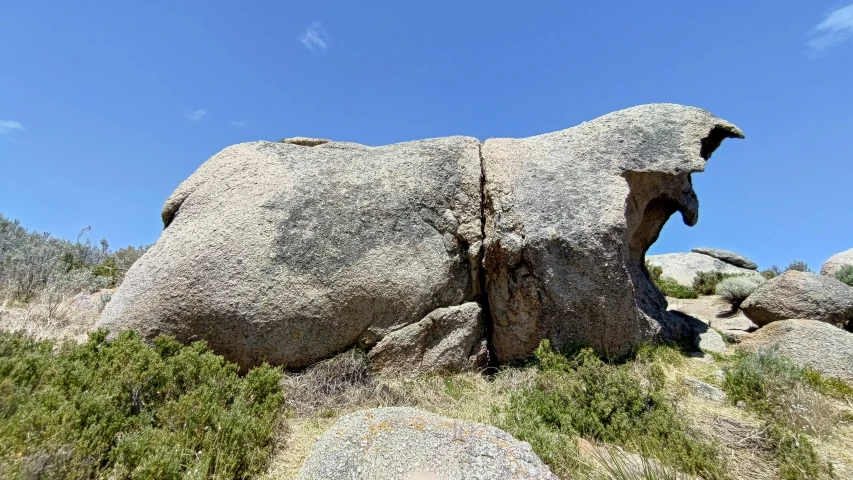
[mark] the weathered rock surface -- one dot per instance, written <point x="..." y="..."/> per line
<point x="705" y="390"/>
<point x="405" y="443"/>
<point x="288" y="253"/>
<point x="715" y="312"/>
<point x="570" y="216"/>
<point x="449" y="339"/>
<point x="835" y="262"/>
<point x="819" y="345"/>
<point x="800" y="295"/>
<point x="683" y="267"/>
<point x="733" y="258"/>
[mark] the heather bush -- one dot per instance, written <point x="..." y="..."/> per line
<point x="705" y="283"/>
<point x="122" y="409"/>
<point x="735" y="289"/>
<point x="798" y="266"/>
<point x="846" y="274"/>
<point x="668" y="286"/>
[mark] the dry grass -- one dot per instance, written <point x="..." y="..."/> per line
<point x="71" y="319"/>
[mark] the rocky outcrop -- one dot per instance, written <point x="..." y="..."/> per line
<point x="802" y="295"/>
<point x="288" y="253"/>
<point x="405" y="443"/>
<point x="714" y="312"/>
<point x="683" y="267"/>
<point x="733" y="258"/>
<point x="570" y="216"/>
<point x="835" y="262"/>
<point x="447" y="340"/>
<point x="821" y="346"/>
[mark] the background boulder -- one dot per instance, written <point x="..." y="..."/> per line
<point x="683" y="267"/>
<point x="570" y="216"/>
<point x="289" y="253"/>
<point x="835" y="262"/>
<point x="408" y="444"/>
<point x="819" y="345"/>
<point x="733" y="258"/>
<point x="802" y="295"/>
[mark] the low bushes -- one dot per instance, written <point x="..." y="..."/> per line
<point x="582" y="395"/>
<point x="668" y="286"/>
<point x="787" y="397"/>
<point x="846" y="274"/>
<point x="735" y="289"/>
<point x="122" y="409"/>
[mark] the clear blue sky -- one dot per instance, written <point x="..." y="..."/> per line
<point x="105" y="107"/>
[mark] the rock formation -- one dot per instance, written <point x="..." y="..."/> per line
<point x="405" y="443"/>
<point x="835" y="262"/>
<point x="290" y="252"/>
<point x="802" y="295"/>
<point x="819" y="345"/>
<point x="683" y="267"/>
<point x="733" y="258"/>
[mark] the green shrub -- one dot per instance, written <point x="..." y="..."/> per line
<point x="668" y="286"/>
<point x="846" y="274"/>
<point x="735" y="289"/>
<point x="121" y="409"/>
<point x="583" y="395"/>
<point x="799" y="266"/>
<point x="785" y="395"/>
<point x="705" y="283"/>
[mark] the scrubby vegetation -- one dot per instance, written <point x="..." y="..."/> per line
<point x="798" y="266"/>
<point x="788" y="398"/>
<point x="735" y="289"/>
<point x="38" y="266"/>
<point x="668" y="286"/>
<point x="846" y="274"/>
<point x="121" y="409"/>
<point x="622" y="404"/>
<point x="705" y="283"/>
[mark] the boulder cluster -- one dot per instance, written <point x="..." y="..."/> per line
<point x="438" y="254"/>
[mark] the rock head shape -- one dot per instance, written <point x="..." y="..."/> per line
<point x="290" y="252"/>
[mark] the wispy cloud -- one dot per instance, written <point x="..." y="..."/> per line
<point x="836" y="28"/>
<point x="315" y="37"/>
<point x="237" y="123"/>
<point x="8" y="126"/>
<point x="197" y="115"/>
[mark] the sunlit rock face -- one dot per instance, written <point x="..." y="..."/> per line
<point x="290" y="252"/>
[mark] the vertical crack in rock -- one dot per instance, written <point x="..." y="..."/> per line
<point x="484" y="293"/>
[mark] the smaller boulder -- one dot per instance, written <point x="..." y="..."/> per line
<point x="406" y="443"/>
<point x="447" y="340"/>
<point x="733" y="258"/>
<point x="683" y="267"/>
<point x="835" y="262"/>
<point x="705" y="390"/>
<point x="818" y="345"/>
<point x="804" y="295"/>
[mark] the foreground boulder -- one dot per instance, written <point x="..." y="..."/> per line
<point x="570" y="216"/>
<point x="733" y="258"/>
<point x="836" y="262"/>
<point x="821" y="346"/>
<point x="683" y="267"/>
<point x="802" y="295"/>
<point x="290" y="252"/>
<point x="405" y="443"/>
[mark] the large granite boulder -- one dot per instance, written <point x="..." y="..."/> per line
<point x="819" y="345"/>
<point x="289" y="253"/>
<point x="733" y="258"/>
<point x="570" y="216"/>
<point x="683" y="267"/>
<point x="410" y="444"/>
<point x="835" y="262"/>
<point x="802" y="295"/>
